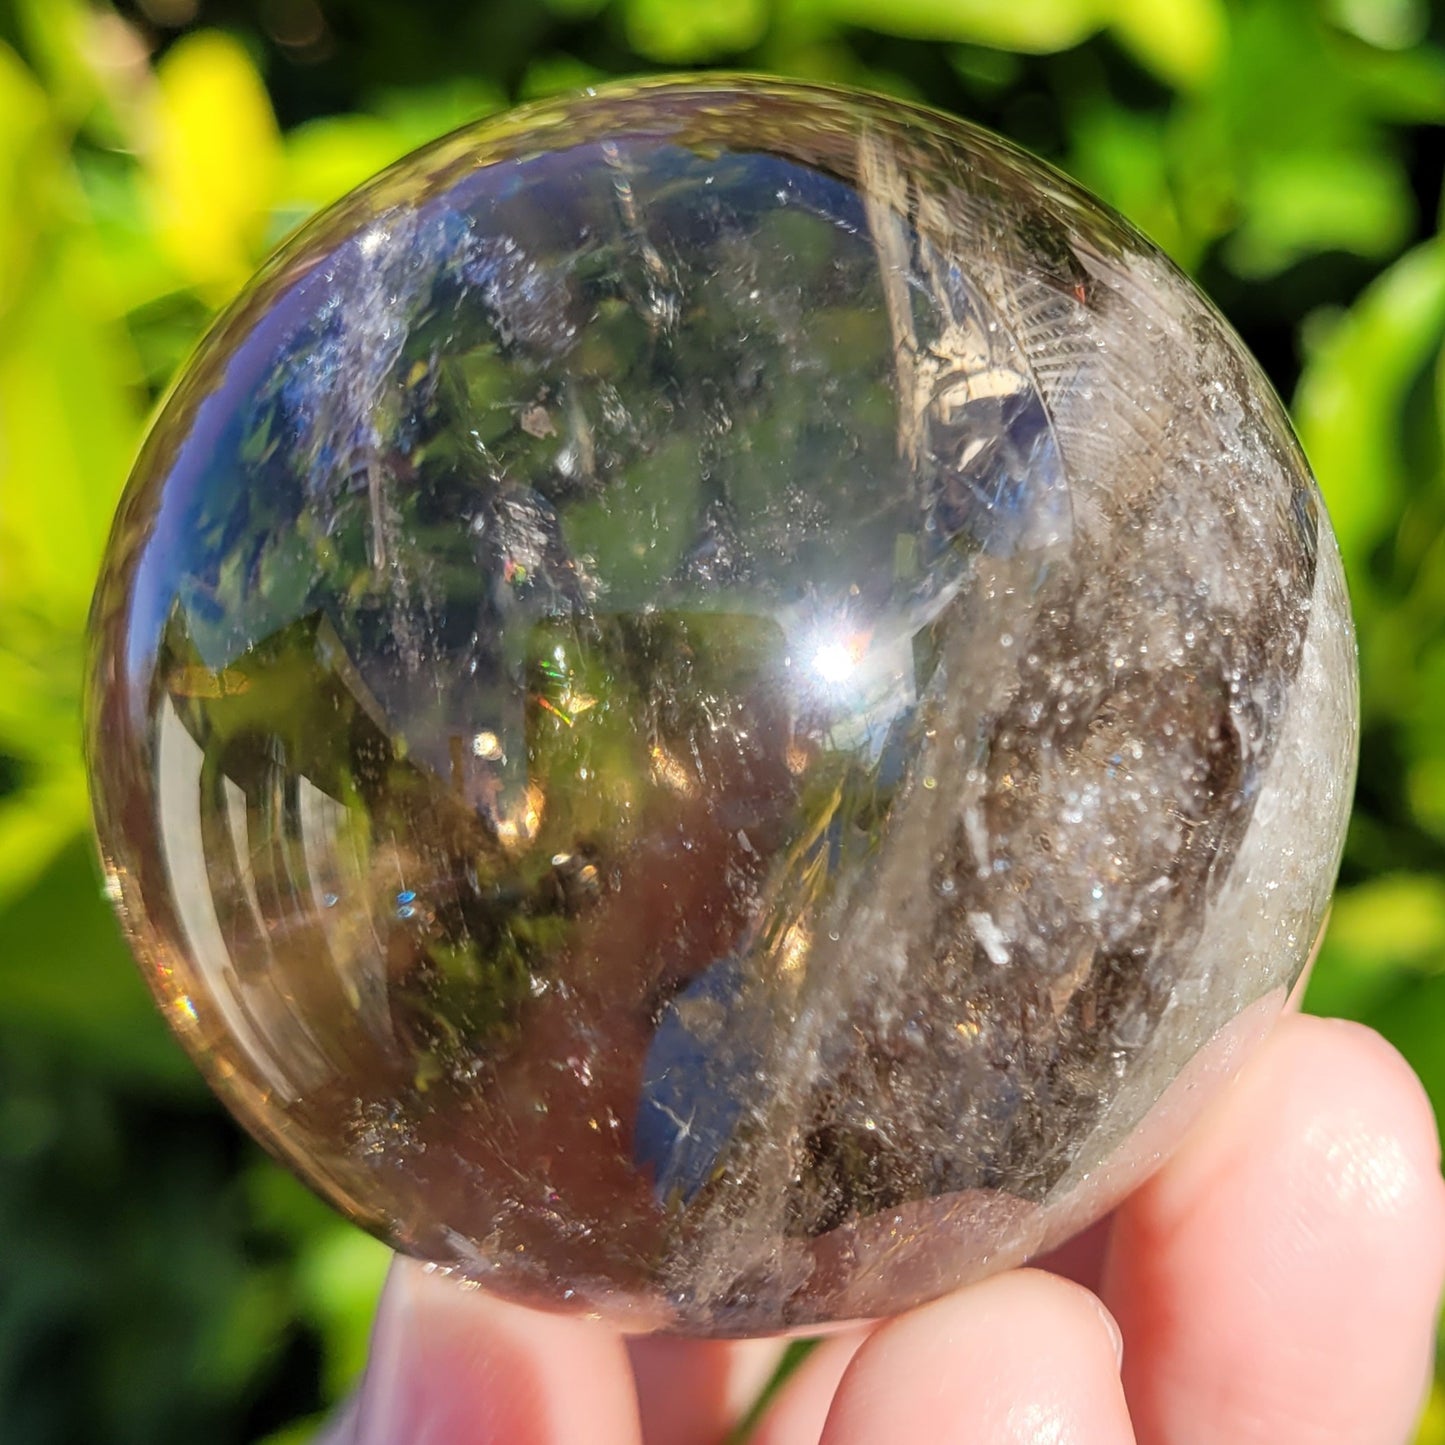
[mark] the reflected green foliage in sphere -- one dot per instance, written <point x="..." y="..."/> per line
<point x="721" y="703"/>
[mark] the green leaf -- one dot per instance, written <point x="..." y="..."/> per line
<point x="1352" y="393"/>
<point x="47" y="813"/>
<point x="1393" y="922"/>
<point x="686" y="34"/>
<point x="322" y="159"/>
<point x="1040" y="28"/>
<point x="576" y="9"/>
<point x="1382" y="935"/>
<point x="68" y="424"/>
<point x="1413" y="1019"/>
<point x="1300" y="203"/>
<point x="1432" y="1421"/>
<point x="1181" y="42"/>
<point x="325" y="158"/>
<point x="339" y="1283"/>
<point x="212" y="160"/>
<point x="67" y="976"/>
<point x="69" y="42"/>
<point x="1389" y="24"/>
<point x="339" y="1270"/>
<point x="30" y="169"/>
<point x="422" y="113"/>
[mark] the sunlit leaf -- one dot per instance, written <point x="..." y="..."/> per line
<point x="1389" y="24"/>
<point x="134" y="269"/>
<point x="1432" y="1421"/>
<point x="1301" y="203"/>
<point x="685" y="34"/>
<point x="1425" y="790"/>
<point x="1413" y="1019"/>
<point x="1041" y="27"/>
<point x="58" y="37"/>
<point x="1393" y="922"/>
<point x="51" y="811"/>
<point x="1406" y="85"/>
<point x="1350" y="396"/>
<point x="213" y="160"/>
<point x="339" y="1282"/>
<point x="68" y="422"/>
<point x="30" y="166"/>
<point x="246" y="1333"/>
<point x="306" y="1431"/>
<point x="422" y="113"/>
<point x="1415" y="658"/>
<point x="325" y="158"/>
<point x="1380" y="934"/>
<point x="1181" y="42"/>
<point x="1286" y="85"/>
<point x="339" y="1270"/>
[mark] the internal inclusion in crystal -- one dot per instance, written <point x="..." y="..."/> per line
<point x="585" y="638"/>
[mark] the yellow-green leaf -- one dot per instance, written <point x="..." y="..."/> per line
<point x="1351" y="395"/>
<point x="684" y="34"/>
<point x="29" y="167"/>
<point x="36" y="823"/>
<point x="1300" y="203"/>
<point x="213" y="161"/>
<point x="1392" y="921"/>
<point x="1040" y="28"/>
<point x="68" y="425"/>
<point x="325" y="158"/>
<point x="1181" y="41"/>
<point x="1431" y="1430"/>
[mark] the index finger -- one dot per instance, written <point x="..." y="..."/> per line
<point x="452" y="1365"/>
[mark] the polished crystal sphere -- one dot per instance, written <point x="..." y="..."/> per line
<point x="721" y="704"/>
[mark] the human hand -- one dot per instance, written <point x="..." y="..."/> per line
<point x="1275" y="1283"/>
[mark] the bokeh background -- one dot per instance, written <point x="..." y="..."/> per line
<point x="160" y="1280"/>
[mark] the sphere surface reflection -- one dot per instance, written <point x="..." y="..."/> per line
<point x="718" y="703"/>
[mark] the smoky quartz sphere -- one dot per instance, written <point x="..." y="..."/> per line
<point x="721" y="704"/>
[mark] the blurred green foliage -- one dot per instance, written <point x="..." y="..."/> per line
<point x="161" y="1281"/>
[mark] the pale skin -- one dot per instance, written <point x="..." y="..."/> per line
<point x="1276" y="1283"/>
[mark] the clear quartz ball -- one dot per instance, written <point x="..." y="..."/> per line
<point x="721" y="703"/>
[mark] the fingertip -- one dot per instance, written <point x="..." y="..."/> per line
<point x="1279" y="1278"/>
<point x="1386" y="1080"/>
<point x="1328" y="1102"/>
<point x="1021" y="1357"/>
<point x="452" y="1365"/>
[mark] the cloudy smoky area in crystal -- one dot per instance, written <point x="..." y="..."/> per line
<point x="721" y="703"/>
